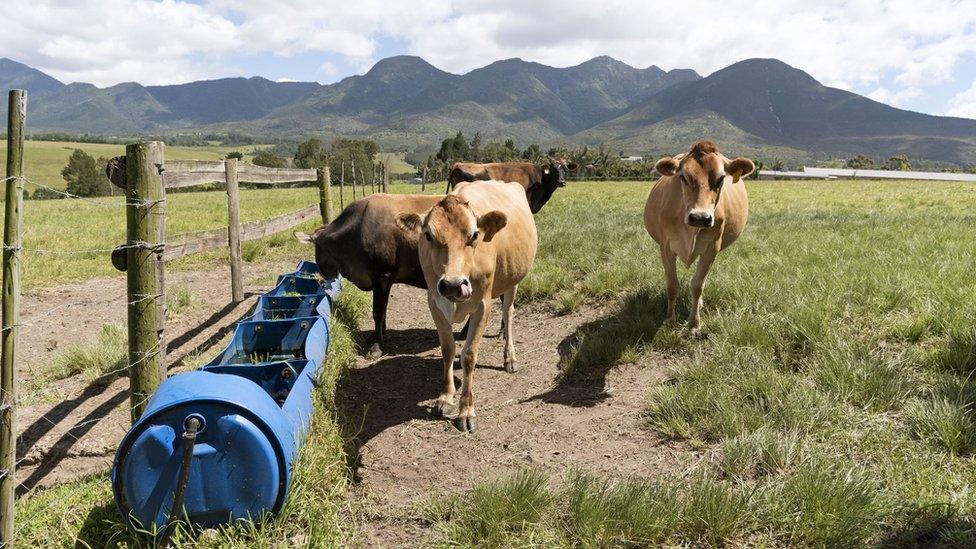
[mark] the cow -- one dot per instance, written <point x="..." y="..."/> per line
<point x="539" y="182"/>
<point x="478" y="243"/>
<point x="696" y="209"/>
<point x="367" y="247"/>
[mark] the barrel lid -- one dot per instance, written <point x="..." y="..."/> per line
<point x="238" y="470"/>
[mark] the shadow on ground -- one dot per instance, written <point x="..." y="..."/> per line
<point x="588" y="354"/>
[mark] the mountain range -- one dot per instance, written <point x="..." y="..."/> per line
<point x="759" y="107"/>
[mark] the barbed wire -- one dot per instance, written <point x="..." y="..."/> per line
<point x="128" y="202"/>
<point x="158" y="248"/>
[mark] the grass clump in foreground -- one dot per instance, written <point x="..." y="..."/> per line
<point x="82" y="513"/>
<point x="94" y="359"/>
<point x="817" y="506"/>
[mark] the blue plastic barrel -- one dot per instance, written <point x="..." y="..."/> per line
<point x="253" y="402"/>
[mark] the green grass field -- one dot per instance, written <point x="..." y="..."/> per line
<point x="45" y="159"/>
<point x="828" y="401"/>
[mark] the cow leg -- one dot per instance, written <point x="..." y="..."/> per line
<point x="445" y="333"/>
<point x="381" y="298"/>
<point x="508" y="309"/>
<point x="671" y="278"/>
<point x="469" y="358"/>
<point x="697" y="284"/>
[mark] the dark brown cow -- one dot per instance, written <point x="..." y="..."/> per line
<point x="539" y="182"/>
<point x="367" y="247"/>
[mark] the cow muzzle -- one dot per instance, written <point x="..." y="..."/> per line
<point x="700" y="218"/>
<point x="455" y="288"/>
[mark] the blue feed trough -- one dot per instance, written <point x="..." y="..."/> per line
<point x="249" y="409"/>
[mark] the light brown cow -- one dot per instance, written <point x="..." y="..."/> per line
<point x="539" y="182"/>
<point x="698" y="208"/>
<point x="478" y="243"/>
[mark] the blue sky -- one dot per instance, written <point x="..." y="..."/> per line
<point x="914" y="54"/>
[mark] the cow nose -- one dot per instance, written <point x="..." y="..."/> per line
<point x="455" y="288"/>
<point x="700" y="219"/>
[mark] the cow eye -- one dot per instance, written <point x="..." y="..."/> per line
<point x="473" y="238"/>
<point x="683" y="179"/>
<point x="428" y="237"/>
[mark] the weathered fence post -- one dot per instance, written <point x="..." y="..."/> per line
<point x="144" y="230"/>
<point x="386" y="178"/>
<point x="325" y="194"/>
<point x="342" y="185"/>
<point x="362" y="177"/>
<point x="423" y="180"/>
<point x="234" y="230"/>
<point x="16" y="118"/>
<point x="353" y="170"/>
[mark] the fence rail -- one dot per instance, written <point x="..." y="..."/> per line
<point x="192" y="173"/>
<point x="203" y="241"/>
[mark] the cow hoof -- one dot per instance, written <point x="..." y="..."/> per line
<point x="444" y="409"/>
<point x="468" y="424"/>
<point x="375" y="351"/>
<point x="510" y="366"/>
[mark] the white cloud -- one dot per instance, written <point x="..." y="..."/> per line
<point x="897" y="98"/>
<point x="964" y="104"/>
<point x="284" y="79"/>
<point x="897" y="47"/>
<point x="329" y="69"/>
<point x="111" y="41"/>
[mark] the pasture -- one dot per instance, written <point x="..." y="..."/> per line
<point x="43" y="160"/>
<point x="828" y="400"/>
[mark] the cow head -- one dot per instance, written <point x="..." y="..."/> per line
<point x="323" y="255"/>
<point x="553" y="176"/>
<point x="703" y="171"/>
<point x="451" y="234"/>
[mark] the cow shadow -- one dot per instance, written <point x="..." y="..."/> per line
<point x="588" y="355"/>
<point x="382" y="395"/>
<point x="939" y="525"/>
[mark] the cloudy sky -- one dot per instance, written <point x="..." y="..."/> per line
<point x="915" y="54"/>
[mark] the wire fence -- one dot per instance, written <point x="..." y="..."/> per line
<point x="34" y="320"/>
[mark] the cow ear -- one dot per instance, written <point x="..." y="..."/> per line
<point x="666" y="166"/>
<point x="491" y="223"/>
<point x="409" y="222"/>
<point x="739" y="168"/>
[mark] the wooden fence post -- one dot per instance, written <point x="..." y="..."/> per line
<point x="353" y="170"/>
<point x="234" y="230"/>
<point x="423" y="181"/>
<point x="144" y="231"/>
<point x="362" y="177"/>
<point x="325" y="194"/>
<point x="386" y="178"/>
<point x="342" y="185"/>
<point x="16" y="118"/>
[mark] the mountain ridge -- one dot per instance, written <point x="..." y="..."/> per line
<point x="761" y="106"/>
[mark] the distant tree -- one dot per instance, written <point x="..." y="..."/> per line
<point x="454" y="149"/>
<point x="236" y="154"/>
<point x="859" y="162"/>
<point x="755" y="173"/>
<point x="532" y="153"/>
<point x="510" y="145"/>
<point x="84" y="177"/>
<point x="45" y="194"/>
<point x="899" y="163"/>
<point x="311" y="154"/>
<point x="346" y="152"/>
<point x="269" y="159"/>
<point x="475" y="148"/>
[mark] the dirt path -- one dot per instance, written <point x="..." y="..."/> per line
<point x="70" y="428"/>
<point x="405" y="455"/>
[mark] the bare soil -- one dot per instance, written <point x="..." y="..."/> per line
<point x="402" y="454"/>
